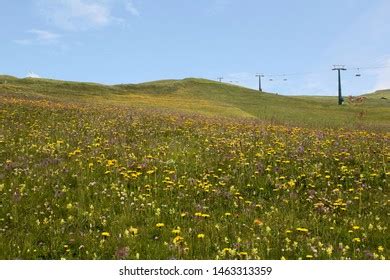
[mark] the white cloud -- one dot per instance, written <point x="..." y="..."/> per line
<point x="44" y="36"/>
<point x="23" y="42"/>
<point x="383" y="76"/>
<point x="76" y="15"/>
<point x="244" y="79"/>
<point x="32" y="75"/>
<point x="218" y="6"/>
<point x="315" y="84"/>
<point x="41" y="37"/>
<point x="130" y="7"/>
<point x="241" y="76"/>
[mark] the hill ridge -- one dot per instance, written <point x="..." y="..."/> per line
<point x="211" y="98"/>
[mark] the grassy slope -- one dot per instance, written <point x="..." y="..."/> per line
<point x="380" y="94"/>
<point x="212" y="98"/>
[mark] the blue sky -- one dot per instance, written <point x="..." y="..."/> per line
<point x="131" y="41"/>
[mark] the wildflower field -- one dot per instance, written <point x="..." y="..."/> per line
<point x="81" y="181"/>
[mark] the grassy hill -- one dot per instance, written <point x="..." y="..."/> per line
<point x="379" y="94"/>
<point x="212" y="98"/>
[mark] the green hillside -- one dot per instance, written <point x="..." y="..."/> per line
<point x="212" y="98"/>
<point x="381" y="94"/>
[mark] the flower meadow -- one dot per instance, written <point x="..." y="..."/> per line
<point x="84" y="181"/>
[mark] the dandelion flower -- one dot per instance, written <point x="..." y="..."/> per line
<point x="200" y="236"/>
<point x="160" y="225"/>
<point x="356" y="240"/>
<point x="329" y="250"/>
<point x="303" y="230"/>
<point x="133" y="231"/>
<point x="178" y="240"/>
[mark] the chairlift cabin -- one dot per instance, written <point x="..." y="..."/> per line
<point x="358" y="73"/>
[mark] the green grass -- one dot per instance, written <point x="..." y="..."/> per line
<point x="189" y="169"/>
<point x="214" y="99"/>
<point x="380" y="94"/>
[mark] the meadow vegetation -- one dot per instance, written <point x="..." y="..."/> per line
<point x="189" y="169"/>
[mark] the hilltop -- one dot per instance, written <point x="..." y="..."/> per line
<point x="201" y="96"/>
<point x="383" y="94"/>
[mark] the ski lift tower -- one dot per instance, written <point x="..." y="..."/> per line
<point x="339" y="68"/>
<point x="260" y="76"/>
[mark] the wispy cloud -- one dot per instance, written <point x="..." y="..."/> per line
<point x="383" y="76"/>
<point x="76" y="15"/>
<point x="41" y="37"/>
<point x="314" y="84"/>
<point x="130" y="7"/>
<point x="44" y="36"/>
<point x="218" y="6"/>
<point x="245" y="79"/>
<point x="23" y="42"/>
<point x="241" y="76"/>
<point x="32" y="75"/>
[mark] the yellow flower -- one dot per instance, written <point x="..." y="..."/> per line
<point x="380" y="249"/>
<point x="226" y="250"/>
<point x="329" y="250"/>
<point x="291" y="183"/>
<point x="177" y="240"/>
<point x="176" y="231"/>
<point x="105" y="234"/>
<point x="356" y="239"/>
<point x="200" y="236"/>
<point x="160" y="225"/>
<point x="133" y="231"/>
<point x="355" y="227"/>
<point x="304" y="230"/>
